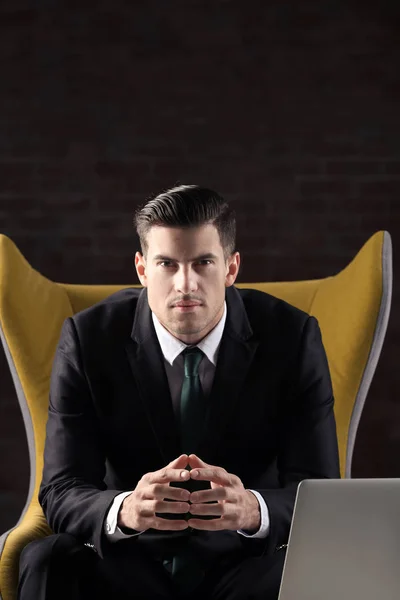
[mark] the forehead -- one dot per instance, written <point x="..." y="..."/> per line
<point x="183" y="242"/>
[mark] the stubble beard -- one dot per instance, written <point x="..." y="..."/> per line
<point x="182" y="328"/>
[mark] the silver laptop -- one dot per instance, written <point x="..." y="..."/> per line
<point x="344" y="542"/>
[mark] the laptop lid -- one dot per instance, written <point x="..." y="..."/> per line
<point x="344" y="541"/>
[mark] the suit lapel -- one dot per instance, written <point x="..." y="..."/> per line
<point x="146" y="361"/>
<point x="234" y="360"/>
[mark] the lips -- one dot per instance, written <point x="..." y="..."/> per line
<point x="187" y="304"/>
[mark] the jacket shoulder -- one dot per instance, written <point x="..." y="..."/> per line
<point x="266" y="312"/>
<point x="110" y="314"/>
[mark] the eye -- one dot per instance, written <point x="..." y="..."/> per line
<point x="204" y="262"/>
<point x="165" y="264"/>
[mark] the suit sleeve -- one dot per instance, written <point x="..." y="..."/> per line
<point x="73" y="494"/>
<point x="308" y="442"/>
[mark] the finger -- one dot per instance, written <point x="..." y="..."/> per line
<point x="217" y="524"/>
<point x="168" y="474"/>
<point x="148" y="508"/>
<point x="162" y="506"/>
<point x="193" y="458"/>
<point x="160" y="491"/>
<point x="206" y="509"/>
<point x="216" y="475"/>
<point x="196" y="462"/>
<point x="168" y="524"/>
<point x="214" y="495"/>
<point x="181" y="458"/>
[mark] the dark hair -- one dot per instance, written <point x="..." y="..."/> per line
<point x="188" y="206"/>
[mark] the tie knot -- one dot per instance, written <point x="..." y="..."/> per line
<point x="192" y="359"/>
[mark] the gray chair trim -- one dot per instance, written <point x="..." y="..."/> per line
<point x="29" y="433"/>
<point x="376" y="347"/>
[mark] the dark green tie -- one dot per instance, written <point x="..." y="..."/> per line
<point x="192" y="401"/>
<point x="186" y="572"/>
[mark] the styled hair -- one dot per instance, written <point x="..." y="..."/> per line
<point x="188" y="206"/>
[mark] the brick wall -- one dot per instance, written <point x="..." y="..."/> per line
<point x="289" y="109"/>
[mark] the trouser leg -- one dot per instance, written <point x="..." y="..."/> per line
<point x="53" y="567"/>
<point x="246" y="579"/>
<point x="58" y="567"/>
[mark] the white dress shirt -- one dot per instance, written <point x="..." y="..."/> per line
<point x="172" y="349"/>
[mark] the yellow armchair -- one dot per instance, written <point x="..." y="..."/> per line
<point x="352" y="308"/>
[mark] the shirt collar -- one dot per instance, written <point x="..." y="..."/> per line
<point x="171" y="347"/>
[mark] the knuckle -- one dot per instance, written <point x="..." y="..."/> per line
<point x="142" y="489"/>
<point x="137" y="499"/>
<point x="157" y="489"/>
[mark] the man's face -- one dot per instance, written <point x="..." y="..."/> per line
<point x="186" y="274"/>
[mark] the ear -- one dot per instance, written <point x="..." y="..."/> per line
<point x="140" y="264"/>
<point x="233" y="265"/>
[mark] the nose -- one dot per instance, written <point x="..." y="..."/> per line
<point x="185" y="280"/>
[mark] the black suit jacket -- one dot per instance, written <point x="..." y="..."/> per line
<point x="270" y="417"/>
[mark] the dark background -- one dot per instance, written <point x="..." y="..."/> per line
<point x="288" y="109"/>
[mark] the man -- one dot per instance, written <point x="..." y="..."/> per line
<point x="182" y="418"/>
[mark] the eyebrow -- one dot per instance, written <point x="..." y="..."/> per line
<point x="207" y="256"/>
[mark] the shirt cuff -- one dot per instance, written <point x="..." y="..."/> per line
<point x="111" y="529"/>
<point x="264" y="527"/>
